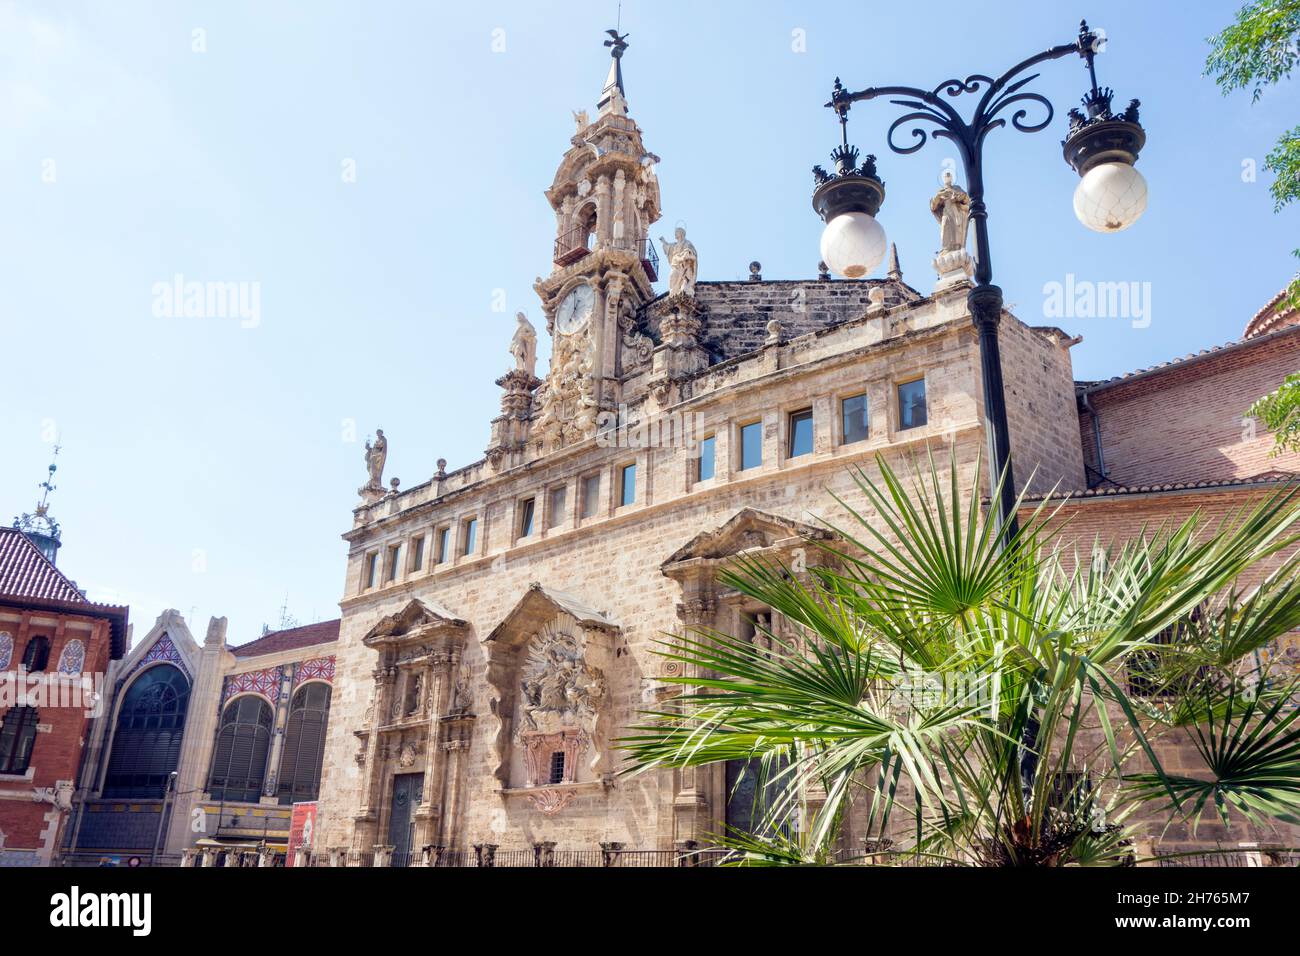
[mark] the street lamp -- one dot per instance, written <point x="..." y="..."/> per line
<point x="1101" y="146"/>
<point x="1111" y="195"/>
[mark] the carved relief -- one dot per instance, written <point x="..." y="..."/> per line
<point x="559" y="691"/>
<point x="568" y="399"/>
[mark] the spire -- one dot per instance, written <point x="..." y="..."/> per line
<point x="41" y="529"/>
<point x="613" y="98"/>
<point x="894" y="272"/>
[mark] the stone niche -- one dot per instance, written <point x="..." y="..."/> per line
<point x="548" y="663"/>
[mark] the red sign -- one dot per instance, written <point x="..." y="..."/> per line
<point x="302" y="829"/>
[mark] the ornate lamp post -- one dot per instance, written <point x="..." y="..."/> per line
<point x="1101" y="146"/>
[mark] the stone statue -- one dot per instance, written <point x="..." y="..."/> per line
<point x="559" y="690"/>
<point x="580" y="119"/>
<point x="524" y="346"/>
<point x="951" y="209"/>
<point x="376" y="455"/>
<point x="684" y="264"/>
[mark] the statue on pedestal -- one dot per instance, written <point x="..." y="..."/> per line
<point x="683" y="262"/>
<point x="951" y="209"/>
<point x="376" y="455"/>
<point x="524" y="346"/>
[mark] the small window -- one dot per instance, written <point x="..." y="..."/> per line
<point x="911" y="404"/>
<point x="394" y="559"/>
<point x="705" y="463"/>
<point x="590" y="495"/>
<point x="36" y="656"/>
<point x="627" y="485"/>
<point x="801" y="433"/>
<point x="443" y="552"/>
<point x="854" y="412"/>
<point x="526" y="509"/>
<point x="372" y="570"/>
<point x="417" y="553"/>
<point x="471" y="536"/>
<point x="555" y="517"/>
<point x="557" y="767"/>
<point x="18" y="737"/>
<point x="751" y="445"/>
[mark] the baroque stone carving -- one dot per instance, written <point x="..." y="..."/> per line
<point x="523" y="347"/>
<point x="560" y="691"/>
<point x="376" y="455"/>
<point x="568" y="399"/>
<point x="951" y="209"/>
<point x="684" y="263"/>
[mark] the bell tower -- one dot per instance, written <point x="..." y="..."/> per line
<point x="606" y="197"/>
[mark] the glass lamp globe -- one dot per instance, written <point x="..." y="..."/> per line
<point x="1110" y="197"/>
<point x="853" y="244"/>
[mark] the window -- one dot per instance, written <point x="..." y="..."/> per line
<point x="17" y="738"/>
<point x="627" y="485"/>
<point x="147" y="736"/>
<point x="36" y="656"/>
<point x="557" y="767"/>
<point x="853" y="411"/>
<point x="801" y="433"/>
<point x="394" y="558"/>
<point x="304" y="743"/>
<point x="590" y="495"/>
<point x="526" y="509"/>
<point x="470" y="537"/>
<point x="555" y="517"/>
<point x="751" y="445"/>
<point x="704" y="464"/>
<point x="239" y="760"/>
<point x="911" y="404"/>
<point x="371" y="574"/>
<point x="444" y="546"/>
<point x="1154" y="672"/>
<point x="417" y="553"/>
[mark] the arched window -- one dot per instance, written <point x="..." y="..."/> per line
<point x="239" y="759"/>
<point x="304" y="743"/>
<point x="36" y="656"/>
<point x="147" y="737"/>
<point x="17" y="737"/>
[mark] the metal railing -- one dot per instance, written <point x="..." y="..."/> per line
<point x="578" y="243"/>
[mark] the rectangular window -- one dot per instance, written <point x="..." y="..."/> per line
<point x="417" y="553"/>
<point x="751" y="445"/>
<point x="526" y="509"/>
<point x="394" y="556"/>
<point x="627" y="485"/>
<point x="801" y="433"/>
<point x="469" y="539"/>
<point x="372" y="570"/>
<point x="444" y="546"/>
<point x="557" y="767"/>
<point x="854" y="412"/>
<point x="911" y="404"/>
<point x="704" y="465"/>
<point x="590" y="495"/>
<point x="557" y="507"/>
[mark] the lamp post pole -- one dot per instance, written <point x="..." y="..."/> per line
<point x="1100" y="137"/>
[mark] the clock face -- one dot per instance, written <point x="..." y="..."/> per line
<point x="575" y="309"/>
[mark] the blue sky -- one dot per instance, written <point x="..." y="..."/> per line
<point x="211" y="467"/>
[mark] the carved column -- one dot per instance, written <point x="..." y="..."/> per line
<point x="366" y="819"/>
<point x="691" y="815"/>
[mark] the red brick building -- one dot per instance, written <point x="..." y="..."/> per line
<point x="55" y="647"/>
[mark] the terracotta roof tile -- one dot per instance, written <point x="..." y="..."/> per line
<point x="289" y="639"/>
<point x="26" y="573"/>
<point x="1264" y="478"/>
<point x="1183" y="360"/>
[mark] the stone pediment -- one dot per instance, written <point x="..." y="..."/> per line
<point x="747" y="530"/>
<point x="539" y="605"/>
<point x="417" y="619"/>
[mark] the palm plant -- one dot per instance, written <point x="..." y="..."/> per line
<point x="964" y="694"/>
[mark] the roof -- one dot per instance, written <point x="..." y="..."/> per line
<point x="1264" y="478"/>
<point x="539" y="602"/>
<point x="1276" y="311"/>
<point x="1185" y="360"/>
<point x="26" y="573"/>
<point x="29" y="579"/>
<point x="323" y="632"/>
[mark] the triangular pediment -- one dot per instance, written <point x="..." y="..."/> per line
<point x="417" y="618"/>
<point x="540" y="605"/>
<point x="747" y="530"/>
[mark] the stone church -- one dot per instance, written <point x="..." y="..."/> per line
<point x="500" y="620"/>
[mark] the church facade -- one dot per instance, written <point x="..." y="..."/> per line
<point x="501" y="621"/>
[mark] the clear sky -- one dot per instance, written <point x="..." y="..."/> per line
<point x="211" y="465"/>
